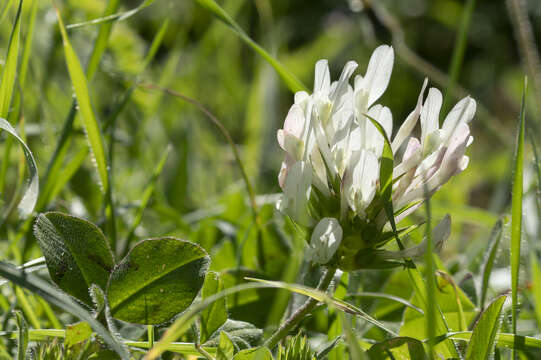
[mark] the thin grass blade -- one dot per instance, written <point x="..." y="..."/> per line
<point x="289" y="79"/>
<point x="9" y="73"/>
<point x="90" y="122"/>
<point x="488" y="263"/>
<point x="30" y="194"/>
<point x="516" y="214"/>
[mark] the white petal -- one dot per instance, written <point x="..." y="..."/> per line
<point x="407" y="127"/>
<point x="430" y="114"/>
<point x="373" y="140"/>
<point x="297" y="193"/>
<point x="378" y="73"/>
<point x="322" y="77"/>
<point x="462" y="112"/>
<point x="342" y="84"/>
<point x="363" y="175"/>
<point x="301" y="97"/>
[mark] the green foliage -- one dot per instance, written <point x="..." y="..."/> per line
<point x="399" y="347"/>
<point x="226" y="348"/>
<point x="77" y="333"/>
<point x="76" y="252"/>
<point x="261" y="353"/>
<point x="296" y="348"/>
<point x="214" y="316"/>
<point x="484" y="332"/>
<point x="158" y="279"/>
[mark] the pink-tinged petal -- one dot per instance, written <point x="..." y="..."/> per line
<point x="296" y="194"/>
<point x="378" y="73"/>
<point x="322" y="77"/>
<point x="284" y="169"/>
<point x="410" y="159"/>
<point x="430" y="114"/>
<point x="407" y="127"/>
<point x="462" y="113"/>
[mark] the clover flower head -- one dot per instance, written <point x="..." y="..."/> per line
<point x="333" y="154"/>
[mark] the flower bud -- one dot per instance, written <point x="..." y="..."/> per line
<point x="325" y="240"/>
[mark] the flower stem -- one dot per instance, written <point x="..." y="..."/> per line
<point x="301" y="312"/>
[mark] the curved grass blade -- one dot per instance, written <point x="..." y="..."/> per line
<point x="55" y="297"/>
<point x="516" y="213"/>
<point x="323" y="297"/>
<point x="90" y="123"/>
<point x="9" y="72"/>
<point x="289" y="79"/>
<point x="484" y="332"/>
<point x="186" y="319"/>
<point x="506" y="340"/>
<point x="30" y="266"/>
<point x="387" y="297"/>
<point x="488" y="263"/>
<point x="113" y="17"/>
<point x="30" y="196"/>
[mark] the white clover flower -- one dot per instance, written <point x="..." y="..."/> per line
<point x="325" y="240"/>
<point x="333" y="152"/>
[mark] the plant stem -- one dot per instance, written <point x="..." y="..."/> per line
<point x="301" y="312"/>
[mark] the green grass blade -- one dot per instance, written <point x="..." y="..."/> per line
<point x="186" y="319"/>
<point x="488" y="262"/>
<point x="535" y="270"/>
<point x="289" y="79"/>
<point x="510" y="341"/>
<point x="57" y="298"/>
<point x="90" y="122"/>
<point x="430" y="268"/>
<point x="516" y="214"/>
<point x="113" y="17"/>
<point x="9" y="73"/>
<point x="101" y="40"/>
<point x="30" y="196"/>
<point x="458" y="52"/>
<point x="29" y="40"/>
<point x="323" y="297"/>
<point x="387" y="297"/>
<point x="5" y="10"/>
<point x="484" y="332"/>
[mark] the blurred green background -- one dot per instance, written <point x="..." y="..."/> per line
<point x="200" y="193"/>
